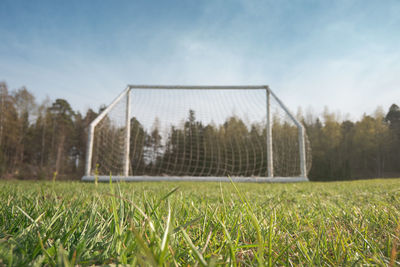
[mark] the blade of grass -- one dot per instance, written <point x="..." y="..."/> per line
<point x="197" y="253"/>
<point x="165" y="238"/>
<point x="163" y="198"/>
<point x="150" y="258"/>
<point x="254" y="222"/>
<point x="230" y="244"/>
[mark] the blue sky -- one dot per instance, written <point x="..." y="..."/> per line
<point x="340" y="54"/>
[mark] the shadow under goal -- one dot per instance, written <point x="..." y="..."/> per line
<point x="104" y="178"/>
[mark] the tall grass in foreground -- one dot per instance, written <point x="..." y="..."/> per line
<point x="200" y="224"/>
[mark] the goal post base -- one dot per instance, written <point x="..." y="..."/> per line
<point x="195" y="179"/>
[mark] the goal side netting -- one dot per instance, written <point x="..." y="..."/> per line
<point x="243" y="133"/>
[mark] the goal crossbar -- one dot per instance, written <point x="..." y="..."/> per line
<point x="200" y="87"/>
<point x="89" y="176"/>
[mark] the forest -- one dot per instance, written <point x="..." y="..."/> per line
<point x="41" y="140"/>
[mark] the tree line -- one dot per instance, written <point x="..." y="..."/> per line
<point x="40" y="140"/>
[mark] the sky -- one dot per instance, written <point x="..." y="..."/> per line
<point x="341" y="54"/>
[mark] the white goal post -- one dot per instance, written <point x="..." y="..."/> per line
<point x="197" y="133"/>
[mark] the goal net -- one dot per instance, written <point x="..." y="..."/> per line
<point x="205" y="133"/>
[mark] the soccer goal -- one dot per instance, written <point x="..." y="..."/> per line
<point x="197" y="133"/>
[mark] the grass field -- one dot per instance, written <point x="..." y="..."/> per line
<point x="70" y="223"/>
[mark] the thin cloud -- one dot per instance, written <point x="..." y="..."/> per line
<point x="341" y="54"/>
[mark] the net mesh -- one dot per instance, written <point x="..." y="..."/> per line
<point x="197" y="132"/>
<point x="109" y="141"/>
<point x="285" y="143"/>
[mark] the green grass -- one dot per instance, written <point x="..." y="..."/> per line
<point x="196" y="224"/>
